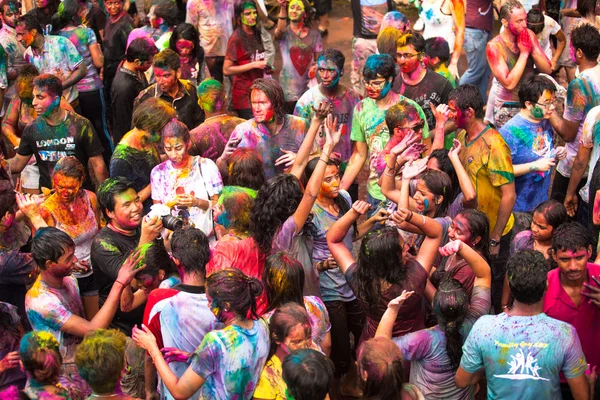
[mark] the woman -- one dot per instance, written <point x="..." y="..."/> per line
<point x="185" y="42"/>
<point x="188" y="185"/>
<point x="382" y="373"/>
<point x="43" y="13"/>
<point x="435" y="353"/>
<point x="11" y="331"/>
<point x="283" y="279"/>
<point x="137" y="153"/>
<point x="290" y="331"/>
<point x="245" y="169"/>
<point x="75" y="211"/>
<point x="245" y="59"/>
<point x="228" y="362"/>
<point x="382" y="272"/>
<point x="308" y="375"/>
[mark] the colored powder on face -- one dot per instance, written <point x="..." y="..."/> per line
<point x="209" y="93"/>
<point x="426" y="204"/>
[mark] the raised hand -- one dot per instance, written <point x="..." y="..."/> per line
<point x="396" y="303"/>
<point x="171" y="354"/>
<point x="414" y="168"/>
<point x="452" y="247"/>
<point x="132" y="265"/>
<point x="455" y="150"/>
<point x="441" y="113"/>
<point x="524" y="42"/>
<point x="144" y="338"/>
<point x="406" y="142"/>
<point x="413" y="152"/>
<point x="322" y="110"/>
<point x="333" y="132"/>
<point x="361" y="207"/>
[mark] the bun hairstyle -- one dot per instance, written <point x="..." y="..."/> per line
<point x="238" y="290"/>
<point x="381" y="359"/>
<point x="40" y="356"/>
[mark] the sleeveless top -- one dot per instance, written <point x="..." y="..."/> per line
<point x="436" y="23"/>
<point x="503" y="94"/>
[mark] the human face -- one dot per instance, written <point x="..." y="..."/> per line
<point x="10" y="14"/>
<point x="143" y="66"/>
<point x="573" y="264"/>
<point x="262" y="108"/>
<point x="330" y="187"/>
<point x="424" y="199"/>
<point x="42" y="3"/>
<point x="184" y="48"/>
<point x="296" y="10"/>
<point x="456" y="115"/>
<point x="460" y="230"/>
<point x="176" y="150"/>
<point x="25" y="36"/>
<point x="409" y="127"/>
<point x="298" y="338"/>
<point x="545" y="106"/>
<point x="148" y="283"/>
<point x="154" y="21"/>
<point x="128" y="210"/>
<point x="66" y="187"/>
<point x="328" y="73"/>
<point x="166" y="79"/>
<point x="64" y="265"/>
<point x="518" y="21"/>
<point x="377" y="88"/>
<point x="408" y="58"/>
<point x="43" y="102"/>
<point x="249" y="16"/>
<point x="540" y="229"/>
<point x="114" y="7"/>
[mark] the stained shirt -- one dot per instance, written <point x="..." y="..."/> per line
<point x="125" y="88"/>
<point x="212" y="19"/>
<point x="271" y="385"/>
<point x="209" y="138"/>
<point x="243" y="49"/>
<point x="82" y="39"/>
<point x="115" y="45"/>
<point x="159" y="38"/>
<point x="15" y="57"/>
<point x="590" y="139"/>
<point x="368" y="15"/>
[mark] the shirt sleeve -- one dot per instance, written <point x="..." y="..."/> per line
<point x="212" y="177"/>
<point x="500" y="167"/>
<point x="576" y="101"/>
<point x="73" y="57"/>
<point x="554" y="26"/>
<point x="414" y="346"/>
<point x="205" y="361"/>
<point x="574" y="364"/>
<point x="480" y="302"/>
<point x="120" y="167"/>
<point x="591" y="126"/>
<point x="283" y="238"/>
<point x="26" y="147"/>
<point x="3" y="71"/>
<point x="472" y="359"/>
<point x="232" y="49"/>
<point x="49" y="309"/>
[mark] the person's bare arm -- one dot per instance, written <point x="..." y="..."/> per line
<point x="336" y="234"/>
<point x="507" y="78"/>
<point x="507" y="202"/>
<point x="540" y="59"/>
<point x="18" y="163"/>
<point x="458" y="14"/>
<point x="580" y="166"/>
<point x="97" y="56"/>
<point x="281" y="20"/>
<point x="359" y="155"/>
<point x="566" y="129"/>
<point x="561" y="43"/>
<point x="386" y="324"/>
<point x="145" y="193"/>
<point x="10" y="122"/>
<point x="75" y="76"/>
<point x="99" y="171"/>
<point x="543" y="164"/>
<point x="466" y="185"/>
<point x="464" y="378"/>
<point x="150" y="378"/>
<point x="130" y="300"/>
<point x="230" y="69"/>
<point x="580" y="388"/>
<point x="304" y="152"/>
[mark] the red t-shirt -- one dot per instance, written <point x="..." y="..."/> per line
<point x="243" y="49"/>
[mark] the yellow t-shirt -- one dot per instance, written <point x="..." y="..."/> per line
<point x="271" y="385"/>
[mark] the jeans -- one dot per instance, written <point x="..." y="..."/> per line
<point x="498" y="266"/>
<point x="345" y="317"/>
<point x="478" y="73"/>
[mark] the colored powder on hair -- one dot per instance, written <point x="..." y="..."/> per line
<point x="143" y="249"/>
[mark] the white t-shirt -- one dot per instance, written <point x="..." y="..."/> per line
<point x="551" y="27"/>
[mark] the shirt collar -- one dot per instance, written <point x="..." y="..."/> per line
<point x="180" y="93"/>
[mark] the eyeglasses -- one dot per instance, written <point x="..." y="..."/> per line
<point x="550" y="104"/>
<point x="375" y="84"/>
<point x="416" y="128"/>
<point x="406" y="56"/>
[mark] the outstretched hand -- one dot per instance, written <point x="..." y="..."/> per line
<point x="396" y="303"/>
<point x="414" y="168"/>
<point x="441" y="113"/>
<point x="132" y="265"/>
<point x="452" y="247"/>
<point x="361" y="207"/>
<point x="333" y="132"/>
<point x="592" y="292"/>
<point x="144" y="338"/>
<point x="322" y="110"/>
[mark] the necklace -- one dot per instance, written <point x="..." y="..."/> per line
<point x="102" y="396"/>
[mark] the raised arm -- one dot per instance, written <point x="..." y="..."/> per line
<point x="480" y="267"/>
<point x="386" y="324"/>
<point x="540" y="59"/>
<point x="319" y="115"/>
<point x="458" y="14"/>
<point x="388" y="179"/>
<point x="465" y="183"/>
<point x="281" y="20"/>
<point x="508" y="78"/>
<point x="338" y="231"/>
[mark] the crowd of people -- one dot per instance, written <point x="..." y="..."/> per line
<point x="180" y="215"/>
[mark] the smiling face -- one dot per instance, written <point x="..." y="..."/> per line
<point x="328" y="73"/>
<point x="460" y="230"/>
<point x="44" y="103"/>
<point x="128" y="210"/>
<point x="66" y="187"/>
<point x="262" y="108"/>
<point x="298" y="338"/>
<point x="296" y="10"/>
<point x="176" y="150"/>
<point x="378" y="88"/>
<point x="573" y="264"/>
<point x="424" y="199"/>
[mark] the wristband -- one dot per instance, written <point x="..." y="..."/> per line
<point x="409" y="217"/>
<point x="121" y="283"/>
<point x="283" y="18"/>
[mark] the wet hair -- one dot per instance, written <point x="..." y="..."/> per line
<point x="40" y="355"/>
<point x="586" y="7"/>
<point x="237" y="204"/>
<point x="387" y="39"/>
<point x="177" y="130"/>
<point x="468" y="96"/>
<point x="24" y="82"/>
<point x="283" y="320"/>
<point x="142" y="49"/>
<point x="8" y="198"/>
<point x="382" y="64"/>
<point x="49" y="83"/>
<point x="450" y="304"/>
<point x="308" y="374"/>
<point x="335" y="56"/>
<point x="571" y="236"/>
<point x="283" y="278"/>
<point x="100" y="358"/>
<point x="49" y="244"/>
<point x="275" y="202"/>
<point x="382" y="360"/>
<point x="379" y="259"/>
<point x="438" y="47"/>
<point x="401" y="113"/>
<point x="587" y="38"/>
<point x="152" y="115"/>
<point x="554" y="212"/>
<point x="70" y="167"/>
<point x="245" y="167"/>
<point x="109" y="190"/>
<point x="167" y="59"/>
<point x="445" y="165"/>
<point x="526" y="271"/>
<point x="507" y="9"/>
<point x="157" y="258"/>
<point x="233" y="287"/>
<point x="535" y="19"/>
<point x="209" y="87"/>
<point x="479" y="226"/>
<point x="438" y="183"/>
<point x="532" y="87"/>
<point x="190" y="247"/>
<point x="188" y="32"/>
<point x="274" y="92"/>
<point x="414" y="39"/>
<point x="166" y="10"/>
<point x="30" y="22"/>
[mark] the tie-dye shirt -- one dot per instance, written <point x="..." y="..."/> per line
<point x="15" y="53"/>
<point x="212" y="19"/>
<point x="231" y="360"/>
<point x="82" y="39"/>
<point x="49" y="308"/>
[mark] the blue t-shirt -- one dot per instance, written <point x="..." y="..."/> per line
<point x="523" y="356"/>
<point x="529" y="141"/>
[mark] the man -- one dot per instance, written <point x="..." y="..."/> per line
<point x="129" y="81"/>
<point x="162" y="20"/>
<point x="15" y="52"/>
<point x="209" y="138"/>
<point x="167" y="308"/>
<point x="573" y="294"/>
<point x="54" y="55"/>
<point x="487" y="160"/>
<point x="275" y="135"/>
<point x="522" y="351"/>
<point x="56" y="133"/>
<point x="330" y="68"/>
<point x="122" y="208"/>
<point x="179" y="93"/>
<point x="369" y="130"/>
<point x="518" y="47"/>
<point x="583" y="94"/>
<point x="416" y="81"/>
<point x="53" y="303"/>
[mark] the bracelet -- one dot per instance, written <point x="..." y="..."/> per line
<point x="388" y="174"/>
<point x="282" y="18"/>
<point x="320" y="159"/>
<point x="121" y="283"/>
<point x="409" y="217"/>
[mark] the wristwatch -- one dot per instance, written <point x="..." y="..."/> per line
<point x="494" y="242"/>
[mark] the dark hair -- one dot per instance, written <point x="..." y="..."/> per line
<point x="382" y="360"/>
<point x="237" y="204"/>
<point x="414" y="39"/>
<point x="438" y="183"/>
<point x="535" y="19"/>
<point x="438" y="47"/>
<point x="142" y="49"/>
<point x="479" y="225"/>
<point x="8" y="3"/>
<point x="111" y="188"/>
<point x="238" y="9"/>
<point x="71" y="167"/>
<point x="387" y="39"/>
<point x="40" y="355"/>
<point x="190" y="247"/>
<point x="49" y="83"/>
<point x="167" y="59"/>
<point x="445" y="165"/>
<point x="526" y="273"/>
<point x="187" y="31"/>
<point x="587" y="38"/>
<point x="379" y="259"/>
<point x="245" y="167"/>
<point x="283" y="278"/>
<point x="157" y="258"/>
<point x="167" y="10"/>
<point x="152" y="115"/>
<point x="554" y="212"/>
<point x="308" y="374"/>
<point x="272" y="89"/>
<point x="275" y="202"/>
<point x="382" y="64"/>
<point x="335" y="56"/>
<point x="100" y="359"/>
<point x="399" y="114"/>
<point x="49" y="244"/>
<point x="176" y="129"/>
<point x="24" y="82"/>
<point x="10" y="328"/>
<point x="30" y="22"/>
<point x="8" y="198"/>
<point x="66" y="15"/>
<point x="283" y="320"/>
<point x="586" y="7"/>
<point x="450" y="304"/>
<point x="233" y="287"/>
<point x="532" y="87"/>
<point x="571" y="236"/>
<point x="468" y="96"/>
<point x="507" y="9"/>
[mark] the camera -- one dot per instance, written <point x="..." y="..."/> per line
<point x="163" y="212"/>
